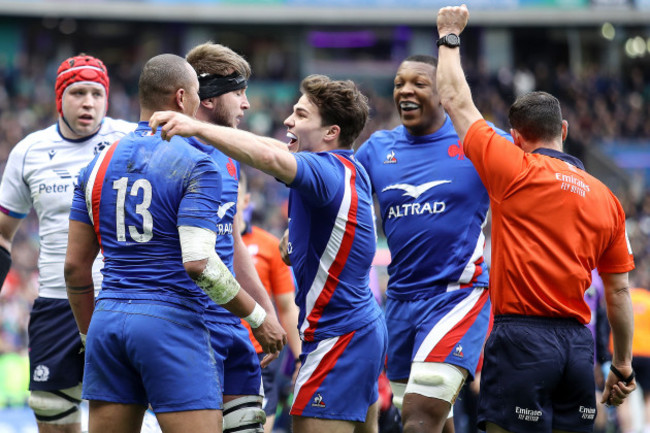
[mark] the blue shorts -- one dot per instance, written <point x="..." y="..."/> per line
<point x="55" y="358"/>
<point x="271" y="390"/>
<point x="236" y="357"/>
<point x="140" y="352"/>
<point x="338" y="376"/>
<point x="449" y="328"/>
<point x="538" y="376"/>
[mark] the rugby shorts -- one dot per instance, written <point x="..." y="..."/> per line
<point x="450" y="328"/>
<point x="338" y="378"/>
<point x="538" y="375"/>
<point x="237" y="359"/>
<point x="55" y="358"/>
<point x="150" y="352"/>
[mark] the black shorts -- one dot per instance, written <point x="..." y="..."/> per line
<point x="641" y="367"/>
<point x="55" y="358"/>
<point x="538" y="376"/>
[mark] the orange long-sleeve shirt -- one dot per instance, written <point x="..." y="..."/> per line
<point x="552" y="223"/>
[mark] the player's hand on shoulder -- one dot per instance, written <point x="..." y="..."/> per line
<point x="172" y="123"/>
<point x="271" y="336"/>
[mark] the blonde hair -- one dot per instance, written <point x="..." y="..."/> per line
<point x="211" y="58"/>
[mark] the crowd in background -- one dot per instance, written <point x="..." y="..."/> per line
<point x="597" y="106"/>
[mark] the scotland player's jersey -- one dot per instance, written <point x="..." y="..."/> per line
<point x="136" y="194"/>
<point x="433" y="207"/>
<point x="41" y="173"/>
<point x="332" y="242"/>
<point x="229" y="169"/>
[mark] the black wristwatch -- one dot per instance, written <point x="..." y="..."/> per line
<point x="451" y="40"/>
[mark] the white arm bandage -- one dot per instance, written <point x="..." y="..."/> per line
<point x="257" y="316"/>
<point x="216" y="280"/>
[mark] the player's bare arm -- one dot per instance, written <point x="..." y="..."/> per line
<point x="249" y="280"/>
<point x="80" y="256"/>
<point x="620" y="381"/>
<point x="245" y="271"/>
<point x="288" y="312"/>
<point x="207" y="270"/>
<point x="455" y="94"/>
<point x="263" y="153"/>
<point x="8" y="227"/>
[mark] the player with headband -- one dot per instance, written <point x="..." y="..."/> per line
<point x="40" y="174"/>
<point x="222" y="76"/>
<point x="223" y="79"/>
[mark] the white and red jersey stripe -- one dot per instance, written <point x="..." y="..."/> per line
<point x="94" y="186"/>
<point x="332" y="238"/>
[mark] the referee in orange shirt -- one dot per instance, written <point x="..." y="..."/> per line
<point x="552" y="223"/>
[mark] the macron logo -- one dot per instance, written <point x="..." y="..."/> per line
<point x="415" y="191"/>
<point x="224" y="208"/>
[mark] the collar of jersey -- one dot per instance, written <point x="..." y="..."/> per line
<point x="79" y="140"/>
<point x="560" y="155"/>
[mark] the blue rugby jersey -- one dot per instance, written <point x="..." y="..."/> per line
<point x="433" y="206"/>
<point x="332" y="242"/>
<point x="135" y="194"/>
<point x="229" y="169"/>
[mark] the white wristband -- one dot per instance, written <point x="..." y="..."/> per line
<point x="256" y="318"/>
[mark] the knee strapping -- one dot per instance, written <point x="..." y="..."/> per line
<point x="435" y="380"/>
<point x="57" y="407"/>
<point x="244" y="415"/>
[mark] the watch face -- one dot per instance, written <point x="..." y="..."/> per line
<point x="452" y="40"/>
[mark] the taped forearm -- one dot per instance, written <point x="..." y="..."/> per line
<point x="216" y="280"/>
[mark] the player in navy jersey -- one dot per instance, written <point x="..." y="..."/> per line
<point x="332" y="242"/>
<point x="223" y="79"/>
<point x="433" y="209"/>
<point x="151" y="206"/>
<point x="40" y="174"/>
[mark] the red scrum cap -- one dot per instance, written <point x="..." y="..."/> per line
<point x="78" y="69"/>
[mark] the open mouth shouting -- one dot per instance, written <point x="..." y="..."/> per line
<point x="407" y="106"/>
<point x="292" y="140"/>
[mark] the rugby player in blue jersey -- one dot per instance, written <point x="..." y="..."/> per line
<point x="332" y="243"/>
<point x="433" y="208"/>
<point x="223" y="79"/>
<point x="151" y="207"/>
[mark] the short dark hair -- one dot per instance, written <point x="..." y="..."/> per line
<point x="160" y="78"/>
<point x="422" y="58"/>
<point x="339" y="103"/>
<point x="537" y="116"/>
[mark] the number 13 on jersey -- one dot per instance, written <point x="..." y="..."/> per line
<point x="145" y="233"/>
